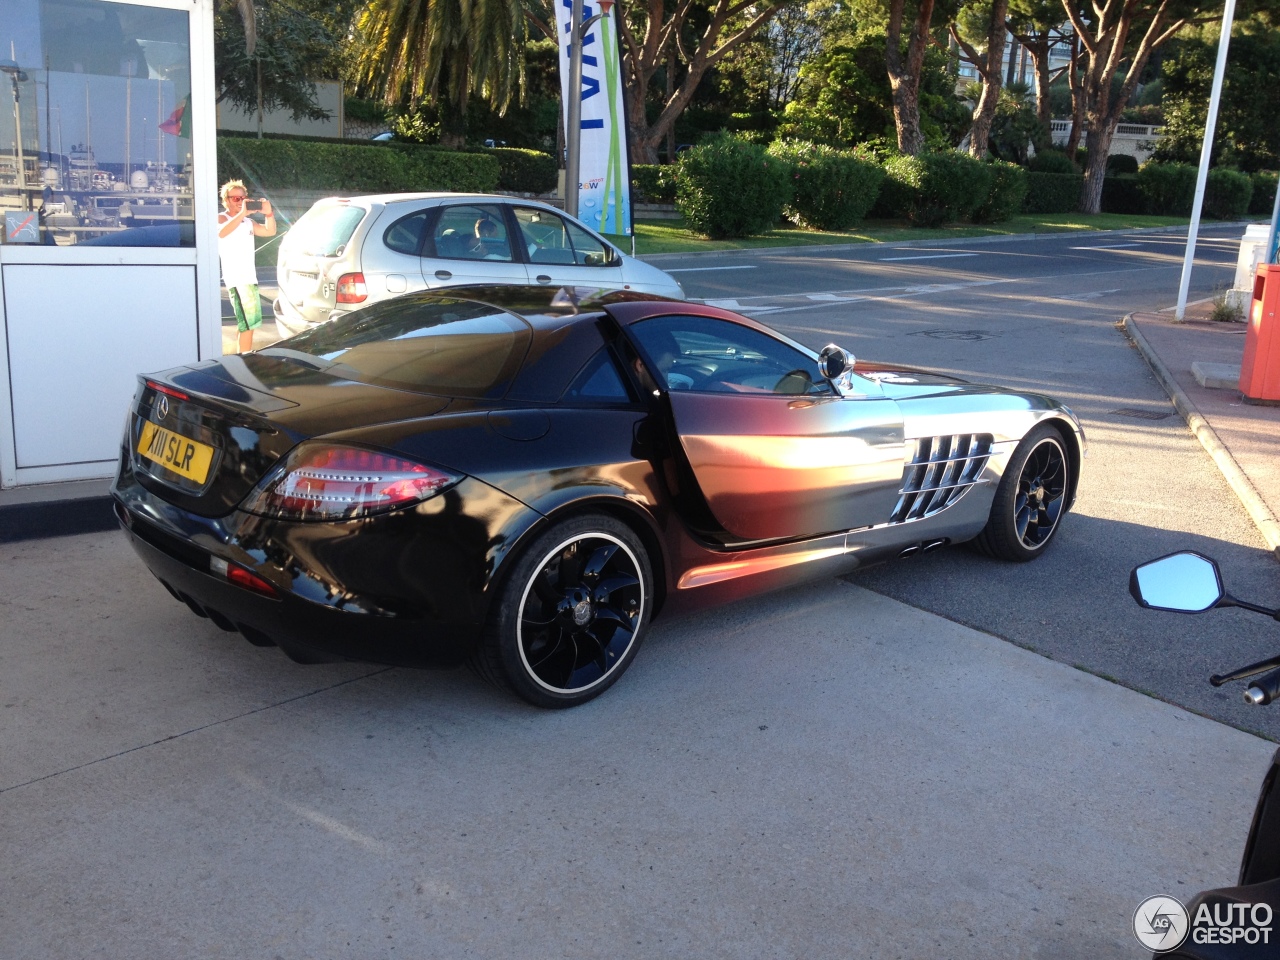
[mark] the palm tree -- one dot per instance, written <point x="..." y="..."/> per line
<point x="444" y="51"/>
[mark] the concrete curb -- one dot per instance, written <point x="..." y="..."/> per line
<point x="1236" y="478"/>
<point x="658" y="258"/>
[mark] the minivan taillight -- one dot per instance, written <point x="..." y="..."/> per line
<point x="321" y="481"/>
<point x="352" y="289"/>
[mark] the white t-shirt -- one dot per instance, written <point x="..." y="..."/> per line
<point x="236" y="253"/>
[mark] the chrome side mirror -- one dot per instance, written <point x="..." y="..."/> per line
<point x="834" y="362"/>
<point x="1181" y="582"/>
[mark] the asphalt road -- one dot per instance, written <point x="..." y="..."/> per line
<point x="1041" y="315"/>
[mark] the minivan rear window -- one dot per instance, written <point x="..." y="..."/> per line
<point x="453" y="348"/>
<point x="324" y="231"/>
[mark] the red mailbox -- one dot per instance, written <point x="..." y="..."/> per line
<point x="1260" y="368"/>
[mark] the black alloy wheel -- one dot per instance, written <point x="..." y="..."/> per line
<point x="572" y="613"/>
<point x="1030" y="498"/>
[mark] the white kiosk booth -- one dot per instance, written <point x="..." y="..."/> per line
<point x="108" y="260"/>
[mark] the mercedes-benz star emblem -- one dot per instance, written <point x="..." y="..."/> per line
<point x="162" y="406"/>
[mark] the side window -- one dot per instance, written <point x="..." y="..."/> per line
<point x="598" y="381"/>
<point x="405" y="235"/>
<point x="717" y="356"/>
<point x="544" y="236"/>
<point x="472" y="231"/>
<point x="587" y="250"/>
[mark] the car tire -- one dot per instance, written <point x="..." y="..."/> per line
<point x="1030" y="500"/>
<point x="571" y="615"/>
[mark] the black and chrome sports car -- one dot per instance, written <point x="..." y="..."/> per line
<point x="522" y="479"/>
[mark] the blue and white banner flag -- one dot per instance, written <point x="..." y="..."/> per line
<point x="604" y="171"/>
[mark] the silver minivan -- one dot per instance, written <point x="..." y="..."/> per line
<point x="346" y="252"/>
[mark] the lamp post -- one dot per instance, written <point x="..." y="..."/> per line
<point x="16" y="76"/>
<point x="573" y="125"/>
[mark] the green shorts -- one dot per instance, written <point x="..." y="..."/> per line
<point x="247" y="305"/>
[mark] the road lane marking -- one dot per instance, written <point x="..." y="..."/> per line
<point x="932" y="256"/>
<point x="704" y="269"/>
<point x="1108" y="246"/>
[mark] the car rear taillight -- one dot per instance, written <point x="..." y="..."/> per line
<point x="329" y="482"/>
<point x="352" y="289"/>
<point x="161" y="388"/>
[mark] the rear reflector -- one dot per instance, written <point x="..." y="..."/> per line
<point x="352" y="288"/>
<point x="238" y="575"/>
<point x="329" y="482"/>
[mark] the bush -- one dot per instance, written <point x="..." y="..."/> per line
<point x="1226" y="194"/>
<point x="1122" y="163"/>
<point x="830" y="189"/>
<point x="654" y="183"/>
<point x="934" y="188"/>
<point x="266" y="165"/>
<point x="730" y="188"/>
<point x="1120" y="194"/>
<point x="1051" y="161"/>
<point x="1169" y="189"/>
<point x="1263" y="198"/>
<point x="1053" y="192"/>
<point x="1008" y="191"/>
<point x="525" y="171"/>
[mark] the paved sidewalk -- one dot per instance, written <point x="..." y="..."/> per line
<point x="1242" y="438"/>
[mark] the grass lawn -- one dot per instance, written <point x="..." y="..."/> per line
<point x="672" y="236"/>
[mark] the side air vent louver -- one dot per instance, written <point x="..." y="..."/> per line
<point x="940" y="470"/>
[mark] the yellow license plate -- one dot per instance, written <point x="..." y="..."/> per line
<point x="184" y="456"/>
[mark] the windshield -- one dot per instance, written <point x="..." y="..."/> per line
<point x="324" y="231"/>
<point x="453" y="348"/>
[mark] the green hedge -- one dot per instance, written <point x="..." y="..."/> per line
<point x="1169" y="189"/>
<point x="654" y="183"/>
<point x="1227" y="194"/>
<point x="1120" y="194"/>
<point x="1051" y="161"/>
<point x="1008" y="192"/>
<point x="266" y="165"/>
<point x="934" y="188"/>
<point x="1053" y="192"/>
<point x="525" y="171"/>
<point x="1122" y="163"/>
<point x="730" y="188"/>
<point x="1263" y="199"/>
<point x="830" y="189"/>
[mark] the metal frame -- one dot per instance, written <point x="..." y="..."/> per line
<point x="202" y="257"/>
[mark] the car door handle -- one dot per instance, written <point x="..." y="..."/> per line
<point x="443" y="275"/>
<point x="543" y="278"/>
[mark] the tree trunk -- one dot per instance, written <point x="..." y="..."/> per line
<point x="453" y="123"/>
<point x="1100" y="132"/>
<point x="258" y="62"/>
<point x="985" y="111"/>
<point x="904" y="76"/>
<point x="1077" y="100"/>
<point x="1040" y="59"/>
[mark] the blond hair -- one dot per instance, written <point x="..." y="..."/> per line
<point x="229" y="186"/>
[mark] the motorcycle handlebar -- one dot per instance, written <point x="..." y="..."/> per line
<point x="1264" y="690"/>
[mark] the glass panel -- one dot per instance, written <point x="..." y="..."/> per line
<point x="405" y="235"/>
<point x="449" y="347"/>
<point x="1184" y="582"/>
<point x="324" y="231"/>
<point x="95" y="144"/>
<point x="716" y="356"/>
<point x="599" y="380"/>
<point x="545" y="238"/>
<point x="587" y="250"/>
<point x="472" y="232"/>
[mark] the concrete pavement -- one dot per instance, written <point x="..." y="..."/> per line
<point x="822" y="773"/>
<point x="1242" y="438"/>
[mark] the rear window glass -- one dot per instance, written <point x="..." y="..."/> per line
<point x="323" y="232"/>
<point x="452" y="348"/>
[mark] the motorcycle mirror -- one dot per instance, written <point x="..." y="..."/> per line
<point x="1182" y="582"/>
<point x="834" y="362"/>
